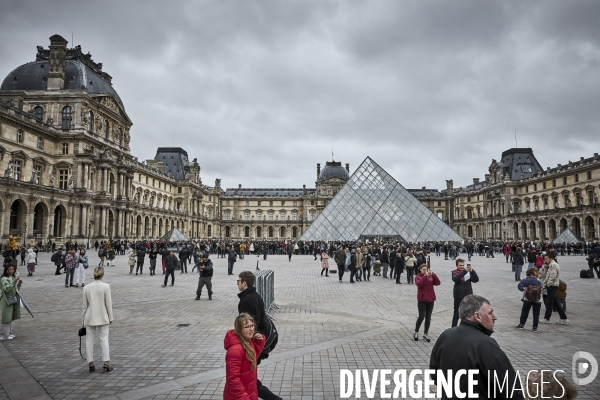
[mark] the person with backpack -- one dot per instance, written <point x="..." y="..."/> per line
<point x="340" y="259"/>
<point x="410" y="262"/>
<point x="58" y="259"/>
<point x="101" y="254"/>
<point x="531" y="287"/>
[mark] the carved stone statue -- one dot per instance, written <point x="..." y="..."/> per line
<point x="35" y="178"/>
<point x="535" y="206"/>
<point x="449" y="184"/>
<point x="510" y="209"/>
<point x="568" y="202"/>
<point x="52" y="180"/>
<point x="72" y="183"/>
<point x="49" y="121"/>
<point x="595" y="198"/>
<point x="8" y="173"/>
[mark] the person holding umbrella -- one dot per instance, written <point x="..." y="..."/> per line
<point x="10" y="301"/>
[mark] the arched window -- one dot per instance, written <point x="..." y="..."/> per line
<point x="38" y="113"/>
<point x="90" y="126"/>
<point x="106" y="129"/>
<point x="209" y="231"/>
<point x="67" y="117"/>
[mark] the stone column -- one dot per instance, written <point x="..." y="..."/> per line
<point x="120" y="191"/>
<point x="103" y="220"/>
<point x="84" y="219"/>
<point x="6" y="217"/>
<point x="86" y="176"/>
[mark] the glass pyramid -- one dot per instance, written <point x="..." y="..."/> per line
<point x="174" y="235"/>
<point x="567" y="236"/>
<point x="372" y="204"/>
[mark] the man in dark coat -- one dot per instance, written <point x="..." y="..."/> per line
<point x="184" y="254"/>
<point x="231" y="259"/>
<point x="206" y="272"/>
<point x="469" y="346"/>
<point x="462" y="278"/>
<point x="141" y="255"/>
<point x="251" y="303"/>
<point x="171" y="263"/>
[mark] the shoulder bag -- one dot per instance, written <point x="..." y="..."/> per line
<point x="82" y="332"/>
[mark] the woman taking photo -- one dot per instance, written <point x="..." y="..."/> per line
<point x="97" y="315"/>
<point x="82" y="265"/>
<point x="243" y="348"/>
<point x="10" y="301"/>
<point x="425" y="281"/>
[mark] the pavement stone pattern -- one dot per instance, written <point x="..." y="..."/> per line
<point x="324" y="326"/>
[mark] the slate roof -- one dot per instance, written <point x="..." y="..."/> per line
<point x="175" y="160"/>
<point x="519" y="163"/>
<point x="262" y="192"/>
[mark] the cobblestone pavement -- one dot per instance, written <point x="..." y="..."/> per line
<point x="324" y="326"/>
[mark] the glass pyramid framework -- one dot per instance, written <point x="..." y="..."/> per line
<point x="567" y="236"/>
<point x="174" y="235"/>
<point x="373" y="204"/>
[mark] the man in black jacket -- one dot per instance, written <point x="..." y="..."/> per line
<point x="251" y="303"/>
<point x="206" y="273"/>
<point x="170" y="265"/>
<point x="231" y="259"/>
<point x="184" y="254"/>
<point x="141" y="255"/>
<point x="462" y="278"/>
<point x="469" y="346"/>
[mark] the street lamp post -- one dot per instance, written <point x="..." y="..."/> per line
<point x="71" y="234"/>
<point x="89" y="232"/>
<point x="287" y="231"/>
<point x="25" y="233"/>
<point x="251" y="226"/>
<point x="49" y="235"/>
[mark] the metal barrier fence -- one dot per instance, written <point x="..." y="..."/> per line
<point x="265" y="286"/>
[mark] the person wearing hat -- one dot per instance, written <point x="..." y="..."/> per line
<point x="206" y="273"/>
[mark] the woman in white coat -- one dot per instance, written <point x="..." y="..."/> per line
<point x="30" y="260"/>
<point x="97" y="315"/>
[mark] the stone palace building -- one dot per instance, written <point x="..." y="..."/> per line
<point x="68" y="173"/>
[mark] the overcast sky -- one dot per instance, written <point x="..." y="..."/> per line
<point x="261" y="91"/>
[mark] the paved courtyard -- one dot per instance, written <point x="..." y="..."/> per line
<point x="324" y="326"/>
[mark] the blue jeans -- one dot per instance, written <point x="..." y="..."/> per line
<point x="183" y="262"/>
<point x="69" y="275"/>
<point x="551" y="302"/>
<point x="230" y="266"/>
<point x="518" y="269"/>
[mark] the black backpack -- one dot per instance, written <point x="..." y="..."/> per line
<point x="271" y="335"/>
<point x="586" y="274"/>
<point x="54" y="257"/>
<point x="421" y="259"/>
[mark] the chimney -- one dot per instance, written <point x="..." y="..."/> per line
<point x="58" y="56"/>
<point x="318" y="170"/>
<point x="423" y="188"/>
<point x="475" y="181"/>
<point x="348" y="167"/>
<point x="239" y="186"/>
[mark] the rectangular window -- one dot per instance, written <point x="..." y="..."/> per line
<point x="17" y="169"/>
<point x="20" y="136"/>
<point x="294" y="216"/>
<point x="439" y="203"/>
<point x="209" y="198"/>
<point x="270" y="203"/>
<point x="468" y="199"/>
<point x="283" y="203"/>
<point x="527" y="189"/>
<point x="179" y="189"/>
<point x="282" y="215"/>
<point x="227" y="203"/>
<point x="544" y="185"/>
<point x="535" y="187"/>
<point x="564" y="180"/>
<point x="247" y="214"/>
<point x="526" y="168"/>
<point x="576" y="178"/>
<point x="515" y="190"/>
<point x="227" y="215"/>
<point x="270" y="216"/>
<point x="247" y="203"/>
<point x="63" y="179"/>
<point x="258" y="215"/>
<point x="65" y="148"/>
<point x="553" y="182"/>
<point x="311" y="215"/>
<point x="259" y="202"/>
<point x="469" y="213"/>
<point x="153" y="182"/>
<point x="40" y="143"/>
<point x="139" y="177"/>
<point x="470" y="231"/>
<point x="294" y="203"/>
<point x="210" y="213"/>
<point x="589" y="176"/>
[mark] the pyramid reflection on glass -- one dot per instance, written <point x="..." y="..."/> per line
<point x="372" y="204"/>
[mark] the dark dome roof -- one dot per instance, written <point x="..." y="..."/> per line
<point x="33" y="76"/>
<point x="334" y="169"/>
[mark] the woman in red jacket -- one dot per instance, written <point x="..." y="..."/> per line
<point x="425" y="281"/>
<point x="243" y="348"/>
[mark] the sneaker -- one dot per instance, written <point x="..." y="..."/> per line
<point x="83" y="284"/>
<point x="163" y="285"/>
<point x="5" y="338"/>
<point x="11" y="336"/>
<point x="544" y="321"/>
<point x="535" y="330"/>
<point x="426" y="338"/>
<point x="519" y="326"/>
<point x="563" y="321"/>
<point x="77" y="285"/>
<point x="416" y="336"/>
<point x="197" y="298"/>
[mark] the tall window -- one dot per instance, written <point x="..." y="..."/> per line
<point x="294" y="215"/>
<point x="227" y="215"/>
<point x="67" y="117"/>
<point x="294" y="203"/>
<point x="90" y="126"/>
<point x="470" y="231"/>
<point x="271" y="202"/>
<point x="576" y="177"/>
<point x="247" y="203"/>
<point x="247" y="215"/>
<point x="65" y="148"/>
<point x="17" y="168"/>
<point x="589" y="176"/>
<point x="63" y="179"/>
<point x="210" y="213"/>
<point x="40" y="143"/>
<point x="38" y="113"/>
<point x="38" y="169"/>
<point x="209" y="231"/>
<point x="258" y="215"/>
<point x="106" y="129"/>
<point x="120" y="137"/>
<point x="282" y="215"/>
<point x="271" y="216"/>
<point x="469" y="213"/>
<point x="311" y="215"/>
<point x="20" y="136"/>
<point x="283" y="203"/>
<point x="259" y="203"/>
<point x="564" y="180"/>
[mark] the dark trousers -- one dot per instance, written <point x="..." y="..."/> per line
<point x="398" y="274"/>
<point x="69" y="276"/>
<point x="265" y="256"/>
<point x="289" y="256"/>
<point x="409" y="274"/>
<point x="527" y="305"/>
<point x="264" y="392"/>
<point x="140" y="266"/>
<point x="58" y="268"/>
<point x="230" y="266"/>
<point x="552" y="302"/>
<point x="152" y="265"/>
<point x="455" y="316"/>
<point x="367" y="272"/>
<point x="204" y="281"/>
<point x="183" y="262"/>
<point x="425" y="310"/>
<point x="352" y="273"/>
<point x="325" y="270"/>
<point x="172" y="273"/>
<point x="340" y="271"/>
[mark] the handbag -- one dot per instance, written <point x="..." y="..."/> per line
<point x="11" y="299"/>
<point x="82" y="332"/>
